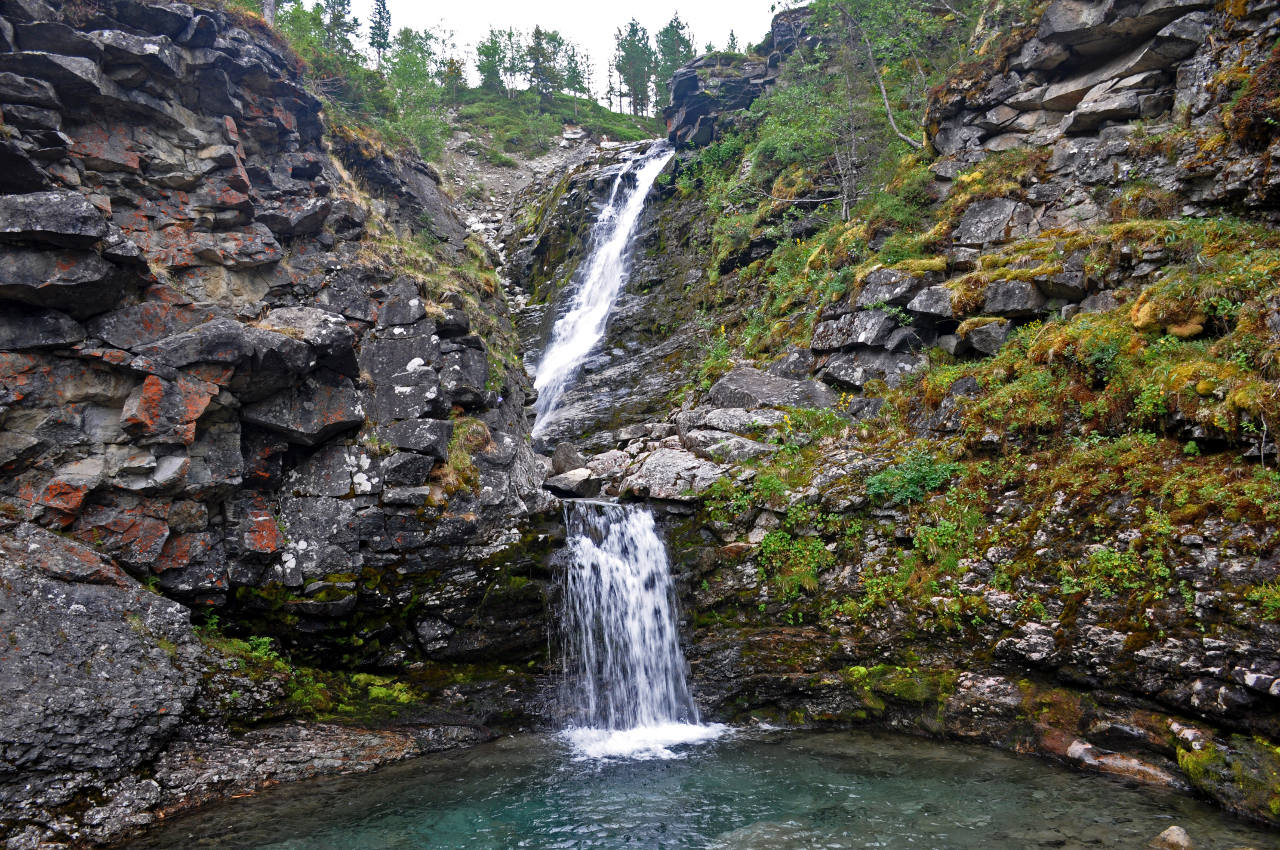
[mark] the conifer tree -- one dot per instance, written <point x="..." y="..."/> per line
<point x="380" y="29"/>
<point x="674" y="48"/>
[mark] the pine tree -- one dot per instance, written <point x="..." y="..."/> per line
<point x="732" y="46"/>
<point x="489" y="61"/>
<point x="339" y="27"/>
<point x="543" y="62"/>
<point x="675" y="47"/>
<point x="634" y="63"/>
<point x="380" y="29"/>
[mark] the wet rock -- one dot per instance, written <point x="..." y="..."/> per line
<point x="1173" y="838"/>
<point x="575" y="483"/>
<point x="747" y="387"/>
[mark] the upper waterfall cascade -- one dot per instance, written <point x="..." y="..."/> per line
<point x="598" y="282"/>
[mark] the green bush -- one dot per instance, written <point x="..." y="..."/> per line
<point x="911" y="480"/>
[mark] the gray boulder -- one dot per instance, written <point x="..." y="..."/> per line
<point x="749" y="388"/>
<point x="989" y="337"/>
<point x="672" y="474"/>
<point x="576" y="483"/>
<point x="566" y="459"/>
<point x="993" y="220"/>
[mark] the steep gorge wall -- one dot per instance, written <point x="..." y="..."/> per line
<point x="246" y="364"/>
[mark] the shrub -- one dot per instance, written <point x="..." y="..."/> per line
<point x="912" y="479"/>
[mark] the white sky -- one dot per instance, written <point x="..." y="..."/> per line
<point x="589" y="24"/>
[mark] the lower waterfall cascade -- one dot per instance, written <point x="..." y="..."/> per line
<point x="624" y="689"/>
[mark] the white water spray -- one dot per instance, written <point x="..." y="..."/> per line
<point x="599" y="281"/>
<point x="624" y="687"/>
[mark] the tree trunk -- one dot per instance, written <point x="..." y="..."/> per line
<point x="269" y="11"/>
<point x="875" y="72"/>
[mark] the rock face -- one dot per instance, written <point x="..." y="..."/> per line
<point x="220" y="368"/>
<point x="98" y="673"/>
<point x="707" y="92"/>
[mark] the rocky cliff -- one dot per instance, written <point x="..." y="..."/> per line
<point x="250" y="368"/>
<point x="993" y="458"/>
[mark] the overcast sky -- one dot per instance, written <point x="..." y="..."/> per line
<point x="590" y="23"/>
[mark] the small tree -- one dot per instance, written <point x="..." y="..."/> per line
<point x="674" y="48"/>
<point x="489" y="61"/>
<point x="380" y="30"/>
<point x="634" y="63"/>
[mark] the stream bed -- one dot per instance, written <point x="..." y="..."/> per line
<point x="749" y="790"/>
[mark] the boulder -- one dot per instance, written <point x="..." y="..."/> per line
<point x="1013" y="298"/>
<point x="749" y="388"/>
<point x="566" y="459"/>
<point x="933" y="303"/>
<point x="851" y="371"/>
<point x="888" y="287"/>
<point x="576" y="483"/>
<point x="992" y="221"/>
<point x="988" y="338"/>
<point x="725" y="448"/>
<point x="869" y="327"/>
<point x="672" y="474"/>
<point x="328" y="335"/>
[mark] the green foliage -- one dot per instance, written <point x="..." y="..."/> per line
<point x="794" y="562"/>
<point x="674" y="47"/>
<point x="912" y="479"/>
<point x="1266" y="597"/>
<point x="634" y="61"/>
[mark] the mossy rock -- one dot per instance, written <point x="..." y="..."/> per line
<point x="1243" y="775"/>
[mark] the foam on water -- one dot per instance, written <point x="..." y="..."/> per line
<point x="642" y="742"/>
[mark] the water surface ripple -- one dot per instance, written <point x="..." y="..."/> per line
<point x="761" y="791"/>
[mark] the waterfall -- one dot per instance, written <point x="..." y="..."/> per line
<point x="598" y="281"/>
<point x="624" y="688"/>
